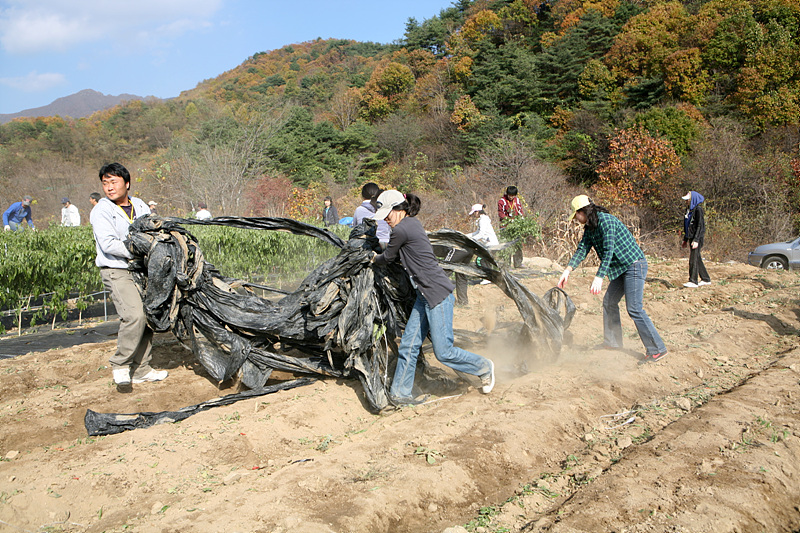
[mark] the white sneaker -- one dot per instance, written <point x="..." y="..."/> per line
<point x="485" y="282"/>
<point x="701" y="283"/>
<point x="153" y="375"/>
<point x="488" y="380"/>
<point x="122" y="375"/>
<point x="690" y="285"/>
<point x="122" y="379"/>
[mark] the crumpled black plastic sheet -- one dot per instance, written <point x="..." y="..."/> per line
<point x="342" y="320"/>
<point x="109" y="424"/>
<point x="546" y="319"/>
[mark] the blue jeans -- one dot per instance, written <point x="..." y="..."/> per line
<point x="438" y="321"/>
<point x="631" y="285"/>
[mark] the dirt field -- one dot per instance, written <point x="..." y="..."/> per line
<point x="707" y="440"/>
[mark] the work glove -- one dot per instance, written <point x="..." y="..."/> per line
<point x="695" y="245"/>
<point x="562" y="282"/>
<point x="597" y="285"/>
<point x="7" y="228"/>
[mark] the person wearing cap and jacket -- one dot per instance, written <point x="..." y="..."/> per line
<point x="432" y="313"/>
<point x="19" y="211"/>
<point x="624" y="263"/>
<point x="69" y="214"/>
<point x="484" y="231"/>
<point x="694" y="232"/>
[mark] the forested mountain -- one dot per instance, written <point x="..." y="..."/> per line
<point x="635" y="101"/>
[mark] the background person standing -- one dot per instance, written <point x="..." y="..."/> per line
<point x="203" y="213"/>
<point x="94" y="198"/>
<point x="508" y="207"/>
<point x="111" y="219"/>
<point x="330" y="216"/>
<point x="19" y="211"/>
<point x="69" y="214"/>
<point x="694" y="232"/>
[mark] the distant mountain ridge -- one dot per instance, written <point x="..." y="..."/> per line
<point x="80" y="104"/>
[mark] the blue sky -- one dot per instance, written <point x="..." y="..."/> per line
<point x="53" y="48"/>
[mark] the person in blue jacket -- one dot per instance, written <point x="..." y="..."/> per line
<point x="18" y="212"/>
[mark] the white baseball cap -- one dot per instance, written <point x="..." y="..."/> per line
<point x="386" y="201"/>
<point x="688" y="196"/>
<point x="476" y="208"/>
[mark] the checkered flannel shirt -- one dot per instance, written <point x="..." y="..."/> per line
<point x="613" y="243"/>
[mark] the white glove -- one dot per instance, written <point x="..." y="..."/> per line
<point x="694" y="245"/>
<point x="7" y="228"/>
<point x="597" y="285"/>
<point x="562" y="282"/>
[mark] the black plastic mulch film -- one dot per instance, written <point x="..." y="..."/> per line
<point x="342" y="321"/>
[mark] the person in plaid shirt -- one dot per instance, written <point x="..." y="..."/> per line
<point x="624" y="263"/>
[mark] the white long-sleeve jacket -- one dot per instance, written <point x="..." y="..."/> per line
<point x="485" y="231"/>
<point x="70" y="216"/>
<point x="110" y="226"/>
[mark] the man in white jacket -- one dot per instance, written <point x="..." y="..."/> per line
<point x="70" y="216"/>
<point x="111" y="218"/>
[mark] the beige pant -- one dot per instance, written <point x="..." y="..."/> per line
<point x="134" y="339"/>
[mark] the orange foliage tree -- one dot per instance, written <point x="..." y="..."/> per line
<point x="641" y="171"/>
<point x="305" y="204"/>
<point x="387" y="88"/>
<point x="647" y="40"/>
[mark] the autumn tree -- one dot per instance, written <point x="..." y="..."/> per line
<point x="641" y="171"/>
<point x="386" y="89"/>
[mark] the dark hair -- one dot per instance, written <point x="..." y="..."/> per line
<point x="591" y="211"/>
<point x="411" y="206"/>
<point x="95" y="196"/>
<point x="201" y="205"/>
<point x="512" y="190"/>
<point x="369" y="191"/>
<point x="483" y="209"/>
<point x="115" y="169"/>
<point x="329" y="199"/>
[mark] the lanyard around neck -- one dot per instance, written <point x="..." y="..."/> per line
<point x="133" y="212"/>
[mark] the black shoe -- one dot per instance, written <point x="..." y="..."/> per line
<point x="125" y="387"/>
<point x="400" y="402"/>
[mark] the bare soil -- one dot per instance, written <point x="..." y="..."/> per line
<point x="706" y="440"/>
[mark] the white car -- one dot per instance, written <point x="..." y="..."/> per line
<point x="776" y="256"/>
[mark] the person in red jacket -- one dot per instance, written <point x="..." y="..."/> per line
<point x="509" y="206"/>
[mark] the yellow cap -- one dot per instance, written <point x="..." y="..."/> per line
<point x="579" y="202"/>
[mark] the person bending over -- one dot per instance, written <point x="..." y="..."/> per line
<point x="433" y="309"/>
<point x="624" y="263"/>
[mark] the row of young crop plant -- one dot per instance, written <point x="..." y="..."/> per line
<point x="50" y="271"/>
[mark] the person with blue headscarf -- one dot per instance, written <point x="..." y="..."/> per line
<point x="694" y="232"/>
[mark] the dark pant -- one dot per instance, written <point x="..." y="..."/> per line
<point x="518" y="256"/>
<point x="455" y="255"/>
<point x="696" y="266"/>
